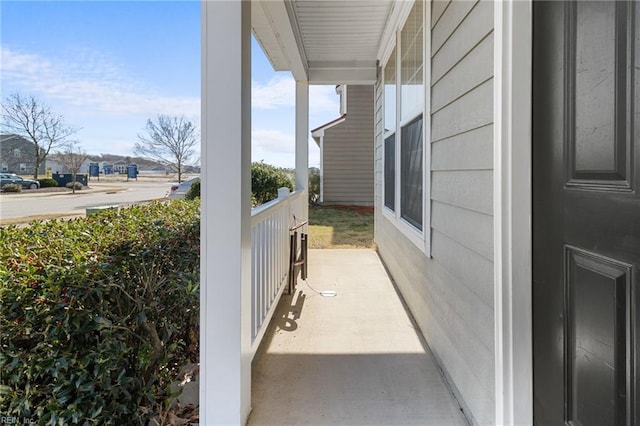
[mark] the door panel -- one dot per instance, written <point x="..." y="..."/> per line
<point x="586" y="219"/>
<point x="596" y="98"/>
<point x="597" y="293"/>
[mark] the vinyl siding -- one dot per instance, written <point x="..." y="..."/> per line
<point x="451" y="294"/>
<point x="348" y="152"/>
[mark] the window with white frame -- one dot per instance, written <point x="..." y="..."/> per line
<point x="411" y="106"/>
<point x="404" y="102"/>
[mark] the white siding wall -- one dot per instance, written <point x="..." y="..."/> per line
<point x="451" y="294"/>
<point x="348" y="152"/>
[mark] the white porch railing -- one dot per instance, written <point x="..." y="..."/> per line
<point x="270" y="225"/>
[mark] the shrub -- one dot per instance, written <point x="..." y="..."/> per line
<point x="97" y="314"/>
<point x="194" y="191"/>
<point x="12" y="187"/>
<point x="71" y="185"/>
<point x="48" y="183"/>
<point x="314" y="186"/>
<point x="265" y="181"/>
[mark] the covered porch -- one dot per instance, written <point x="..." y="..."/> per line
<point x="349" y="42"/>
<point x="243" y="269"/>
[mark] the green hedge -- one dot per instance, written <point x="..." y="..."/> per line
<point x="98" y="314"/>
<point x="48" y="183"/>
<point x="314" y="186"/>
<point x="194" y="191"/>
<point x="265" y="181"/>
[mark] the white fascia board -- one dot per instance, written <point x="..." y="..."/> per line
<point x="281" y="28"/>
<point x="342" y="75"/>
<point x="319" y="132"/>
<point x="265" y="37"/>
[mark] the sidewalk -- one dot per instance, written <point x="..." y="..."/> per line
<point x="352" y="359"/>
<point x="93" y="188"/>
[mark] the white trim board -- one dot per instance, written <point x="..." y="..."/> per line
<point x="512" y="213"/>
<point x="397" y="17"/>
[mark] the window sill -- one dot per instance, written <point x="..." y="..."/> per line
<point x="409" y="231"/>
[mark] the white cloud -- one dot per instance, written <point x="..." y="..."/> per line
<point x="89" y="81"/>
<point x="323" y="99"/>
<point x="278" y="148"/>
<point x="96" y="93"/>
<point x="274" y="141"/>
<point x="280" y="91"/>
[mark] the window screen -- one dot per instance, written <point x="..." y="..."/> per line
<point x="390" y="172"/>
<point x="411" y="172"/>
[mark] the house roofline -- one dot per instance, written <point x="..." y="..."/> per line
<point x="328" y="125"/>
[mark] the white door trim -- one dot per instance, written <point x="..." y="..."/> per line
<point x="513" y="213"/>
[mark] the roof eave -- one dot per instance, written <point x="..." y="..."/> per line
<point x="318" y="132"/>
<point x="273" y="30"/>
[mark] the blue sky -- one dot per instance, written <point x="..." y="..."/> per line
<point x="107" y="66"/>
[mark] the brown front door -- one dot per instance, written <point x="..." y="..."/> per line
<point x="586" y="218"/>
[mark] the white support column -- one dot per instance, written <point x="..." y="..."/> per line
<point x="302" y="140"/>
<point x="321" y="196"/>
<point x="225" y="268"/>
<point x="512" y="213"/>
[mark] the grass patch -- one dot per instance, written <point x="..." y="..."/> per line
<point x="340" y="227"/>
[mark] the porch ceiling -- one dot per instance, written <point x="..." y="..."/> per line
<point x="322" y="41"/>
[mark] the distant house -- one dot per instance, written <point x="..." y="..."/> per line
<point x="17" y="155"/>
<point x="346" y="151"/>
<point x="56" y="166"/>
<point x="120" y="166"/>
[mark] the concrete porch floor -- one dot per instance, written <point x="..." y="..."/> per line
<point x="352" y="359"/>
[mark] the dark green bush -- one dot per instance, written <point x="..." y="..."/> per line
<point x="97" y="314"/>
<point x="194" y="191"/>
<point x="48" y="183"/>
<point x="265" y="181"/>
<point x="314" y="186"/>
<point x="12" y="187"/>
<point x="77" y="185"/>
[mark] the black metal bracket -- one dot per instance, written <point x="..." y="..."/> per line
<point x="297" y="262"/>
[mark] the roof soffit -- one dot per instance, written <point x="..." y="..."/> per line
<point x="335" y="41"/>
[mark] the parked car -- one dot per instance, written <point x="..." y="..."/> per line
<point x="6" y="178"/>
<point x="179" y="191"/>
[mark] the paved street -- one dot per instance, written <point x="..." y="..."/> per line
<point x="68" y="204"/>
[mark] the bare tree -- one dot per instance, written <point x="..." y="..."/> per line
<point x="169" y="140"/>
<point x="71" y="158"/>
<point x="31" y="119"/>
